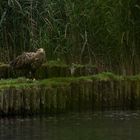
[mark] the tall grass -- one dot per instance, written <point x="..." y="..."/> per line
<point x="102" y="32"/>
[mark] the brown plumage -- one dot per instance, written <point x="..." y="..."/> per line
<point x="30" y="61"/>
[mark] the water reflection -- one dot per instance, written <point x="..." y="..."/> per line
<point x="73" y="126"/>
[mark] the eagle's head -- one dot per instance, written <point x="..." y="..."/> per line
<point x="40" y="50"/>
<point x="40" y="55"/>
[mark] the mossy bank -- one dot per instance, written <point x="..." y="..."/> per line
<point x="103" y="91"/>
<point x="48" y="70"/>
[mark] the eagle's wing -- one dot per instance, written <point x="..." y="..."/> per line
<point x="37" y="60"/>
<point x="22" y="60"/>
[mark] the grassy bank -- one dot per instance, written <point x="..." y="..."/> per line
<point x="103" y="91"/>
<point x="48" y="70"/>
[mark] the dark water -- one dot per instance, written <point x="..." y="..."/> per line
<point x="74" y="126"/>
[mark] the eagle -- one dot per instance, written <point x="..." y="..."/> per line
<point x="29" y="61"/>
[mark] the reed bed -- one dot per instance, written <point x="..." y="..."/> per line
<point x="102" y="32"/>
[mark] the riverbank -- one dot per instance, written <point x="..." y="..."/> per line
<point x="48" y="70"/>
<point x="54" y="95"/>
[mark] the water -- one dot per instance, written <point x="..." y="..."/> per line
<point x="109" y="125"/>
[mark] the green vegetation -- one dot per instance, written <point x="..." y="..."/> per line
<point x="19" y="82"/>
<point x="50" y="69"/>
<point x="82" y="38"/>
<point x="24" y="82"/>
<point x="57" y="63"/>
<point x="105" y="33"/>
<point x="102" y="91"/>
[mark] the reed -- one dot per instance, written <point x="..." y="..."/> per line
<point x="102" y="32"/>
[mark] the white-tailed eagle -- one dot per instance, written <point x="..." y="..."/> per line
<point x="30" y="61"/>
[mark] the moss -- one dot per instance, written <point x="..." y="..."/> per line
<point x="14" y="81"/>
<point x="57" y="63"/>
<point x="24" y="82"/>
<point x="107" y="76"/>
<point x="81" y="65"/>
<point x="18" y="83"/>
<point x="77" y="65"/>
<point x="53" y="69"/>
<point x="132" y="78"/>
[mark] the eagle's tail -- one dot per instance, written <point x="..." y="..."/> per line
<point x="16" y="62"/>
